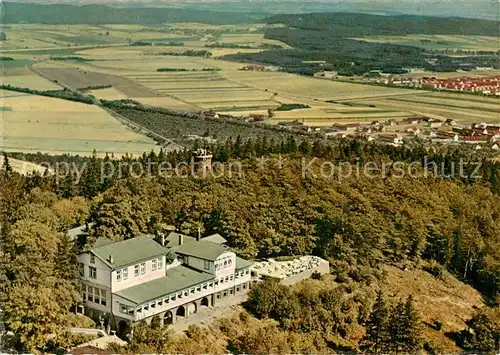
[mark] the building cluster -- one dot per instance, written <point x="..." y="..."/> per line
<point x="171" y="276"/>
<point x="393" y="132"/>
<point x="481" y="85"/>
<point x="256" y="67"/>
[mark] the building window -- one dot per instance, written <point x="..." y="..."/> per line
<point x="229" y="262"/>
<point x="146" y="307"/>
<point x="92" y="258"/>
<point x="247" y="272"/>
<point x="136" y="270"/>
<point x="173" y="298"/>
<point x="192" y="290"/>
<point x="231" y="277"/>
<point x="118" y="275"/>
<point x="186" y="292"/>
<point x="225" y="294"/>
<point x="160" y="303"/>
<point x="103" y="297"/>
<point x="198" y="289"/>
<point x="90" y="295"/>
<point x="153" y="304"/>
<point x="227" y="279"/>
<point x="160" y="263"/>
<point x="123" y="308"/>
<point x="125" y="273"/>
<point x="225" y="262"/>
<point x="92" y="272"/>
<point x="143" y="268"/>
<point x="206" y="264"/>
<point x="238" y="289"/>
<point x="244" y="286"/>
<point x="216" y="282"/>
<point x="81" y="269"/>
<point x="138" y="310"/>
<point x="205" y="286"/>
<point x="210" y="284"/>
<point x="153" y="262"/>
<point x="231" y="291"/>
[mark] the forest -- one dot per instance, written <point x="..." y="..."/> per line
<point x="359" y="224"/>
<point x="358" y="25"/>
<point x="328" y="37"/>
<point x="15" y="12"/>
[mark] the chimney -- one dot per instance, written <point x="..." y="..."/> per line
<point x="198" y="236"/>
<point x="110" y="259"/>
<point x="181" y="239"/>
<point x="160" y="237"/>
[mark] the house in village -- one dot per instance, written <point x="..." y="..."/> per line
<point x="129" y="281"/>
<point x="348" y="127"/>
<point x="477" y="139"/>
<point x="447" y="135"/>
<point x="391" y="138"/>
<point x="211" y="113"/>
<point x="434" y="123"/>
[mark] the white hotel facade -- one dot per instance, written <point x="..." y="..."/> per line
<point x="125" y="282"/>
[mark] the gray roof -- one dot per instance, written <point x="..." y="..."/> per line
<point x="242" y="263"/>
<point x="215" y="238"/>
<point x="102" y="241"/>
<point x="129" y="251"/>
<point x="201" y="249"/>
<point x="172" y="239"/>
<point x="177" y="279"/>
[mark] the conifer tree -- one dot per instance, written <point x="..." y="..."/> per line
<point x="6" y="168"/>
<point x="377" y="332"/>
<point x="412" y="329"/>
<point x="397" y="328"/>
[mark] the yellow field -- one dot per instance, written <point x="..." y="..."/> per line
<point x="44" y="124"/>
<point x="25" y="167"/>
<point x="108" y="94"/>
<point x="167" y="102"/>
<point x="230" y="90"/>
<point x="464" y="108"/>
<point x="31" y="81"/>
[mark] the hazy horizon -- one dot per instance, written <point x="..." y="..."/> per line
<point x="486" y="9"/>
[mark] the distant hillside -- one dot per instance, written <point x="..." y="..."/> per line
<point x="100" y="14"/>
<point x="357" y="25"/>
<point x="461" y="8"/>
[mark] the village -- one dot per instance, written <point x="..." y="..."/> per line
<point x="479" y="85"/>
<point x="392" y="132"/>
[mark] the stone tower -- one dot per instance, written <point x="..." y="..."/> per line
<point x="203" y="161"/>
